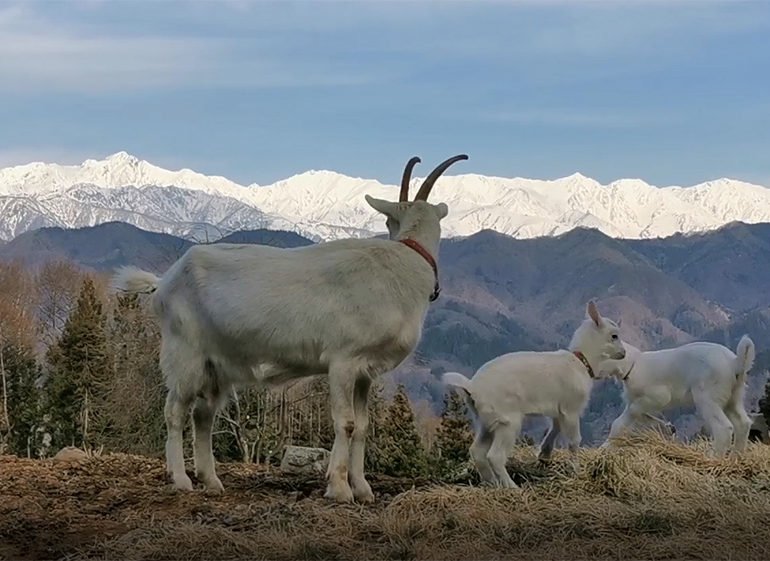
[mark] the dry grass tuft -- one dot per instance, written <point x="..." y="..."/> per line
<point x="649" y="498"/>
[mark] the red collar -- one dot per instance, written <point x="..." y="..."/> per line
<point x="585" y="362"/>
<point x="410" y="243"/>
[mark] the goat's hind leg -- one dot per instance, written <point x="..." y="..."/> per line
<point x="741" y="426"/>
<point x="503" y="440"/>
<point x="715" y="419"/>
<point x="176" y="412"/>
<point x="182" y="368"/>
<point x="341" y="389"/>
<point x="478" y="452"/>
<point x="362" y="491"/>
<point x="204" y="413"/>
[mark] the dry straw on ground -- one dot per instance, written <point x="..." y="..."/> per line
<point x="649" y="499"/>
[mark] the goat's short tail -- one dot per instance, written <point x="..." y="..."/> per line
<point x="744" y="356"/>
<point x="457" y="380"/>
<point x="131" y="280"/>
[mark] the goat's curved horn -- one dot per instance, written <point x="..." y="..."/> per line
<point x="406" y="178"/>
<point x="427" y="185"/>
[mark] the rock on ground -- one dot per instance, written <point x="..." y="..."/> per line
<point x="70" y="454"/>
<point x="304" y="460"/>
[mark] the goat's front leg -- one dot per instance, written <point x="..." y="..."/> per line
<point x="546" y="446"/>
<point x="570" y="426"/>
<point x="362" y="491"/>
<point x="341" y="387"/>
<point x="619" y="426"/>
<point x="636" y="414"/>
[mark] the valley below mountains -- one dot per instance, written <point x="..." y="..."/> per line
<point x="501" y="294"/>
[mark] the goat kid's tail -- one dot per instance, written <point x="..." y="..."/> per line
<point x="457" y="380"/>
<point x="744" y="357"/>
<point x="131" y="280"/>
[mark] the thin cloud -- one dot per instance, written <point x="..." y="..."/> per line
<point x="575" y="118"/>
<point x="38" y="56"/>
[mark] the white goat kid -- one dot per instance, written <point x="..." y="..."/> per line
<point x="554" y="383"/>
<point x="235" y="315"/>
<point x="708" y="376"/>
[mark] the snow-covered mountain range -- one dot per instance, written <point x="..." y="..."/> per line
<point x="328" y="205"/>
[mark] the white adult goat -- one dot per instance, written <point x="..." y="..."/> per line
<point x="552" y="383"/>
<point x="234" y="315"/>
<point x="708" y="376"/>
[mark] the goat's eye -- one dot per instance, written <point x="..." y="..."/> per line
<point x="614" y="336"/>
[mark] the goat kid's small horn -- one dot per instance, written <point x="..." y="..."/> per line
<point x="427" y="185"/>
<point x="406" y="178"/>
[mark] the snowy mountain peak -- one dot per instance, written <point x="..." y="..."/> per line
<point x="115" y="171"/>
<point x="324" y="204"/>
<point x="119" y="158"/>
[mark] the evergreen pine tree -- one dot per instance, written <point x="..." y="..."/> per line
<point x="21" y="397"/>
<point x="402" y="453"/>
<point x="136" y="395"/>
<point x="454" y="435"/>
<point x="373" y="459"/>
<point x="764" y="404"/>
<point x="79" y="373"/>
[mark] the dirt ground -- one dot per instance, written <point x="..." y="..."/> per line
<point x="648" y="500"/>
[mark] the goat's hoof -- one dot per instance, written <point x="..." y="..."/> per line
<point x="214" y="486"/>
<point x="339" y="494"/>
<point x="183" y="483"/>
<point x="363" y="493"/>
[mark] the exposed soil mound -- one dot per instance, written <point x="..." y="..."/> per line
<point x="650" y="499"/>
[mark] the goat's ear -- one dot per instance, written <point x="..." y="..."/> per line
<point x="620" y="320"/>
<point x="384" y="207"/>
<point x="441" y="210"/>
<point x="593" y="313"/>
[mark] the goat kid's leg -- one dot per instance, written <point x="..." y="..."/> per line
<point x="634" y="416"/>
<point x="570" y="426"/>
<point x="717" y="422"/>
<point x="176" y="412"/>
<point x="619" y="426"/>
<point x="478" y="452"/>
<point x="362" y="491"/>
<point x="503" y="440"/>
<point x="204" y="413"/>
<point x="546" y="446"/>
<point x="341" y="387"/>
<point x="741" y="426"/>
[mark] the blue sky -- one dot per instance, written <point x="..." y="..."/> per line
<point x="673" y="92"/>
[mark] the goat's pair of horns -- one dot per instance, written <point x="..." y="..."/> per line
<point x="427" y="185"/>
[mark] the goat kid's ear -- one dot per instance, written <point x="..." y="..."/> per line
<point x="593" y="312"/>
<point x="620" y="320"/>
<point x="441" y="210"/>
<point x="384" y="207"/>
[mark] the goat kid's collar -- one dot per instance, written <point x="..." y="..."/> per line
<point x="415" y="245"/>
<point x="582" y="358"/>
<point x="629" y="372"/>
